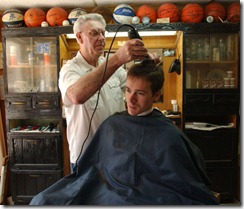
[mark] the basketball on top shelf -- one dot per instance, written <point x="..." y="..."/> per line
<point x="34" y="17"/>
<point x="123" y="14"/>
<point x="13" y="18"/>
<point x="126" y="14"/>
<point x="74" y="14"/>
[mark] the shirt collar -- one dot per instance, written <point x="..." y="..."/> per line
<point x="146" y="112"/>
<point x="83" y="62"/>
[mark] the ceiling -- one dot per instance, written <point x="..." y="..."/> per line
<point x="70" y="4"/>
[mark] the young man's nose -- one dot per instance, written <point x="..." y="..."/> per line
<point x="132" y="97"/>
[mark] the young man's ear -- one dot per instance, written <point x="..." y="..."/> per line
<point x="157" y="96"/>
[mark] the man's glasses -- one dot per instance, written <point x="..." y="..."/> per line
<point x="96" y="33"/>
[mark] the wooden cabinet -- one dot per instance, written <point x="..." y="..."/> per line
<point x="211" y="99"/>
<point x="33" y="111"/>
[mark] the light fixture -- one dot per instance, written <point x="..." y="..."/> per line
<point x="70" y="36"/>
<point x="125" y="34"/>
<point x="141" y="33"/>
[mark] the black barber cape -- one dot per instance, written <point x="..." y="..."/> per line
<point x="133" y="160"/>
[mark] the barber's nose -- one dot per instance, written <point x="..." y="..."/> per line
<point x="102" y="35"/>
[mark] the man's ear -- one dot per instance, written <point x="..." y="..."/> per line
<point x="157" y="96"/>
<point x="79" y="37"/>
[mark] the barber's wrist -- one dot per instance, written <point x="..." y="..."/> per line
<point x="116" y="61"/>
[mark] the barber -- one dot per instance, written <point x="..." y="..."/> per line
<point x="81" y="78"/>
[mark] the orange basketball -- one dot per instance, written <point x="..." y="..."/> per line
<point x="168" y="10"/>
<point x="234" y="12"/>
<point x="34" y="17"/>
<point x="192" y="12"/>
<point x="215" y="10"/>
<point x="56" y="15"/>
<point x="147" y="11"/>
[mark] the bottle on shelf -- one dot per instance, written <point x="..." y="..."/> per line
<point x="30" y="58"/>
<point x="199" y="50"/>
<point x="188" y="50"/>
<point x="216" y="54"/>
<point x="222" y="50"/>
<point x="42" y="85"/>
<point x="198" y="79"/>
<point x="175" y="107"/>
<point x="193" y="49"/>
<point x="188" y="79"/>
<point x="206" y="49"/>
<point x="13" y="56"/>
<point x="230" y="48"/>
<point x="215" y="49"/>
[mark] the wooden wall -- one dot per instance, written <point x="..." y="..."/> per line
<point x="173" y="83"/>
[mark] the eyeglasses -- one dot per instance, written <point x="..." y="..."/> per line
<point x="95" y="33"/>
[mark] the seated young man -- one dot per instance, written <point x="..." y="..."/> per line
<point x="137" y="157"/>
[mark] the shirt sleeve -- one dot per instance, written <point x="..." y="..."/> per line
<point x="67" y="76"/>
<point x="121" y="74"/>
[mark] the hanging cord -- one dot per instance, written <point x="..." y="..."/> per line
<point x="98" y="95"/>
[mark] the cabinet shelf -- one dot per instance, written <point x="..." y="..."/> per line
<point x="31" y="134"/>
<point x="27" y="66"/>
<point x="210" y="62"/>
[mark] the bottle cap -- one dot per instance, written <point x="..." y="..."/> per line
<point x="173" y="101"/>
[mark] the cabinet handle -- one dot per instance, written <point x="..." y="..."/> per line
<point x="32" y="141"/>
<point x="192" y="100"/>
<point x="34" y="176"/>
<point x="18" y="103"/>
<point x="43" y="103"/>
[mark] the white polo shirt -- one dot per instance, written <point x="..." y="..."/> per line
<point x="78" y="116"/>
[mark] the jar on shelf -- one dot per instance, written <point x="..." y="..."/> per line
<point x="222" y="49"/>
<point x="175" y="107"/>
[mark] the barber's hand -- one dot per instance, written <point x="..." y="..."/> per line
<point x="132" y="50"/>
<point x="155" y="57"/>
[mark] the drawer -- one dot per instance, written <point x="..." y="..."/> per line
<point x="226" y="99"/>
<point x="198" y="99"/>
<point x="218" y="147"/>
<point x="25" y="184"/>
<point x="35" y="151"/>
<point x="46" y="101"/>
<point x="18" y="103"/>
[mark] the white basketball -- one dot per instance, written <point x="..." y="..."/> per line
<point x="74" y="14"/>
<point x="123" y="14"/>
<point x="13" y="18"/>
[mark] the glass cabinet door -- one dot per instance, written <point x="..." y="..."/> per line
<point x="211" y="61"/>
<point x="31" y="64"/>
